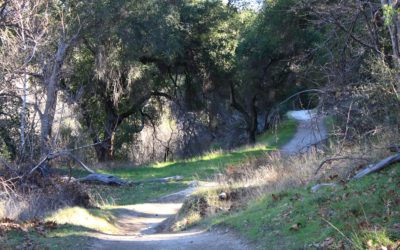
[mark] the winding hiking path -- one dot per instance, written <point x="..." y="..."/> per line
<point x="311" y="130"/>
<point x="140" y="223"/>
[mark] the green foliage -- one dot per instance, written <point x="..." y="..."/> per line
<point x="389" y="12"/>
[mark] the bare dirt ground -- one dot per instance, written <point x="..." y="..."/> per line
<point x="140" y="223"/>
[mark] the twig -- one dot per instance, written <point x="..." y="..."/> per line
<point x="337" y="229"/>
<point x="38" y="165"/>
<point x="301" y="92"/>
<point x="337" y="159"/>
<point x="81" y="163"/>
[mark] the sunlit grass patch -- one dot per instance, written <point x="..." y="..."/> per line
<point x="105" y="196"/>
<point x="374" y="239"/>
<point x="161" y="164"/>
<point x="278" y="136"/>
<point x="92" y="219"/>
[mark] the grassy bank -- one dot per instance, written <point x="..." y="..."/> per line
<point x="363" y="214"/>
<point x="269" y="200"/>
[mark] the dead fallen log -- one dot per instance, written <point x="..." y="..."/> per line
<point x="370" y="169"/>
<point x="92" y="177"/>
<point x="378" y="166"/>
<point x="158" y="180"/>
<point x="103" y="179"/>
<point x="112" y="180"/>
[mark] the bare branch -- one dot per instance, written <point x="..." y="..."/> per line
<point x="338" y="159"/>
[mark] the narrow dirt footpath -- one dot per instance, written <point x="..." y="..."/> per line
<point x="139" y="222"/>
<point x="310" y="132"/>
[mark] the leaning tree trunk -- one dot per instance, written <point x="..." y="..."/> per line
<point x="51" y="78"/>
<point x="52" y="87"/>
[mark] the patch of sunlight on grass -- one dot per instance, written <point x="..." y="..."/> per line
<point x="66" y="230"/>
<point x="162" y="164"/>
<point x="373" y="239"/>
<point x="208" y="156"/>
<point x="98" y="220"/>
<point x="279" y="136"/>
<point x="256" y="148"/>
<point x="106" y="196"/>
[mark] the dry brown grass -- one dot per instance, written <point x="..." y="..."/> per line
<point x="26" y="202"/>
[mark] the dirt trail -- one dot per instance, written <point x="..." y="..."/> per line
<point x="139" y="223"/>
<point x="310" y="132"/>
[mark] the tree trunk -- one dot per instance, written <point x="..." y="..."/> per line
<point x="101" y="152"/>
<point x="105" y="150"/>
<point x="249" y="117"/>
<point x="267" y="124"/>
<point x="394" y="33"/>
<point x="252" y="123"/>
<point x="23" y="114"/>
<point x="252" y="137"/>
<point x="52" y="87"/>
